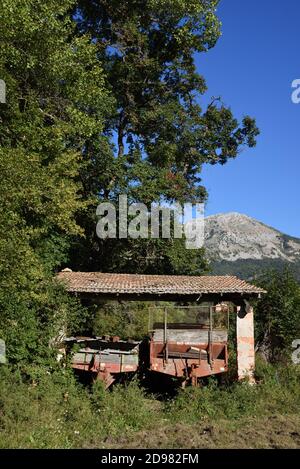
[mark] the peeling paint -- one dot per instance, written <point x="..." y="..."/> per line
<point x="245" y="345"/>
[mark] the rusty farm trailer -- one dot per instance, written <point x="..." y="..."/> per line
<point x="188" y="342"/>
<point x="104" y="358"/>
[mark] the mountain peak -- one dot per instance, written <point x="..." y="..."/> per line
<point x="229" y="216"/>
<point x="234" y="236"/>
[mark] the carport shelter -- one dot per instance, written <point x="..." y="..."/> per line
<point x="97" y="286"/>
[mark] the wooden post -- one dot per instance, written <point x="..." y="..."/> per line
<point x="245" y="343"/>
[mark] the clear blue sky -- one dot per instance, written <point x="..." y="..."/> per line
<point x="252" y="68"/>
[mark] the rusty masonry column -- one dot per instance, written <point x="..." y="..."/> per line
<point x="245" y="343"/>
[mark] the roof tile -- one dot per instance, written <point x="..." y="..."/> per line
<point x="97" y="282"/>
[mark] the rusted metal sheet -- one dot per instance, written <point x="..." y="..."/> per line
<point x="190" y="350"/>
<point x="183" y="361"/>
<point x="191" y="335"/>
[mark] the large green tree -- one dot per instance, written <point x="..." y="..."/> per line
<point x="55" y="99"/>
<point x="103" y="98"/>
<point x="160" y="134"/>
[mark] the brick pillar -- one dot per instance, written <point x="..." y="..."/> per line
<point x="245" y="343"/>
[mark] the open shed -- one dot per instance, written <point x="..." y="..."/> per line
<point x="97" y="286"/>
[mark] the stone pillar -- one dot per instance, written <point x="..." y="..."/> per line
<point x="245" y="343"/>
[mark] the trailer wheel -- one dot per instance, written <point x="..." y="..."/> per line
<point x="107" y="378"/>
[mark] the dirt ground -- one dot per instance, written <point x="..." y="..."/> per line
<point x="272" y="432"/>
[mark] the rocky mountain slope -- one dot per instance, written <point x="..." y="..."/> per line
<point x="240" y="245"/>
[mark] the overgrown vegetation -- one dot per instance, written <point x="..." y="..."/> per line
<point x="103" y="98"/>
<point x="48" y="409"/>
<point x="56" y="96"/>
<point x="44" y="406"/>
<point x="277" y="315"/>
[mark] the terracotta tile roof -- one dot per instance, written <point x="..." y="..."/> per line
<point x="96" y="282"/>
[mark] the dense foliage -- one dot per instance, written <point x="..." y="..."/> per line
<point x="103" y="98"/>
<point x="251" y="269"/>
<point x="278" y="315"/>
<point x="56" y="96"/>
<point x="160" y="134"/>
<point x="52" y="411"/>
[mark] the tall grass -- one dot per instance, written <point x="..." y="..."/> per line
<point x="277" y="391"/>
<point x="55" y="411"/>
<point x="39" y="409"/>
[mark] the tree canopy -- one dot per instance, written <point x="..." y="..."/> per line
<point x="56" y="98"/>
<point x="159" y="133"/>
<point x="103" y="98"/>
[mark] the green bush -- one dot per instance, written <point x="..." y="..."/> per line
<point x="277" y="390"/>
<point x="50" y="409"/>
<point x="277" y="314"/>
<point x="39" y="409"/>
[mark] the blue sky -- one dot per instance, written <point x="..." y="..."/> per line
<point x="252" y="68"/>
